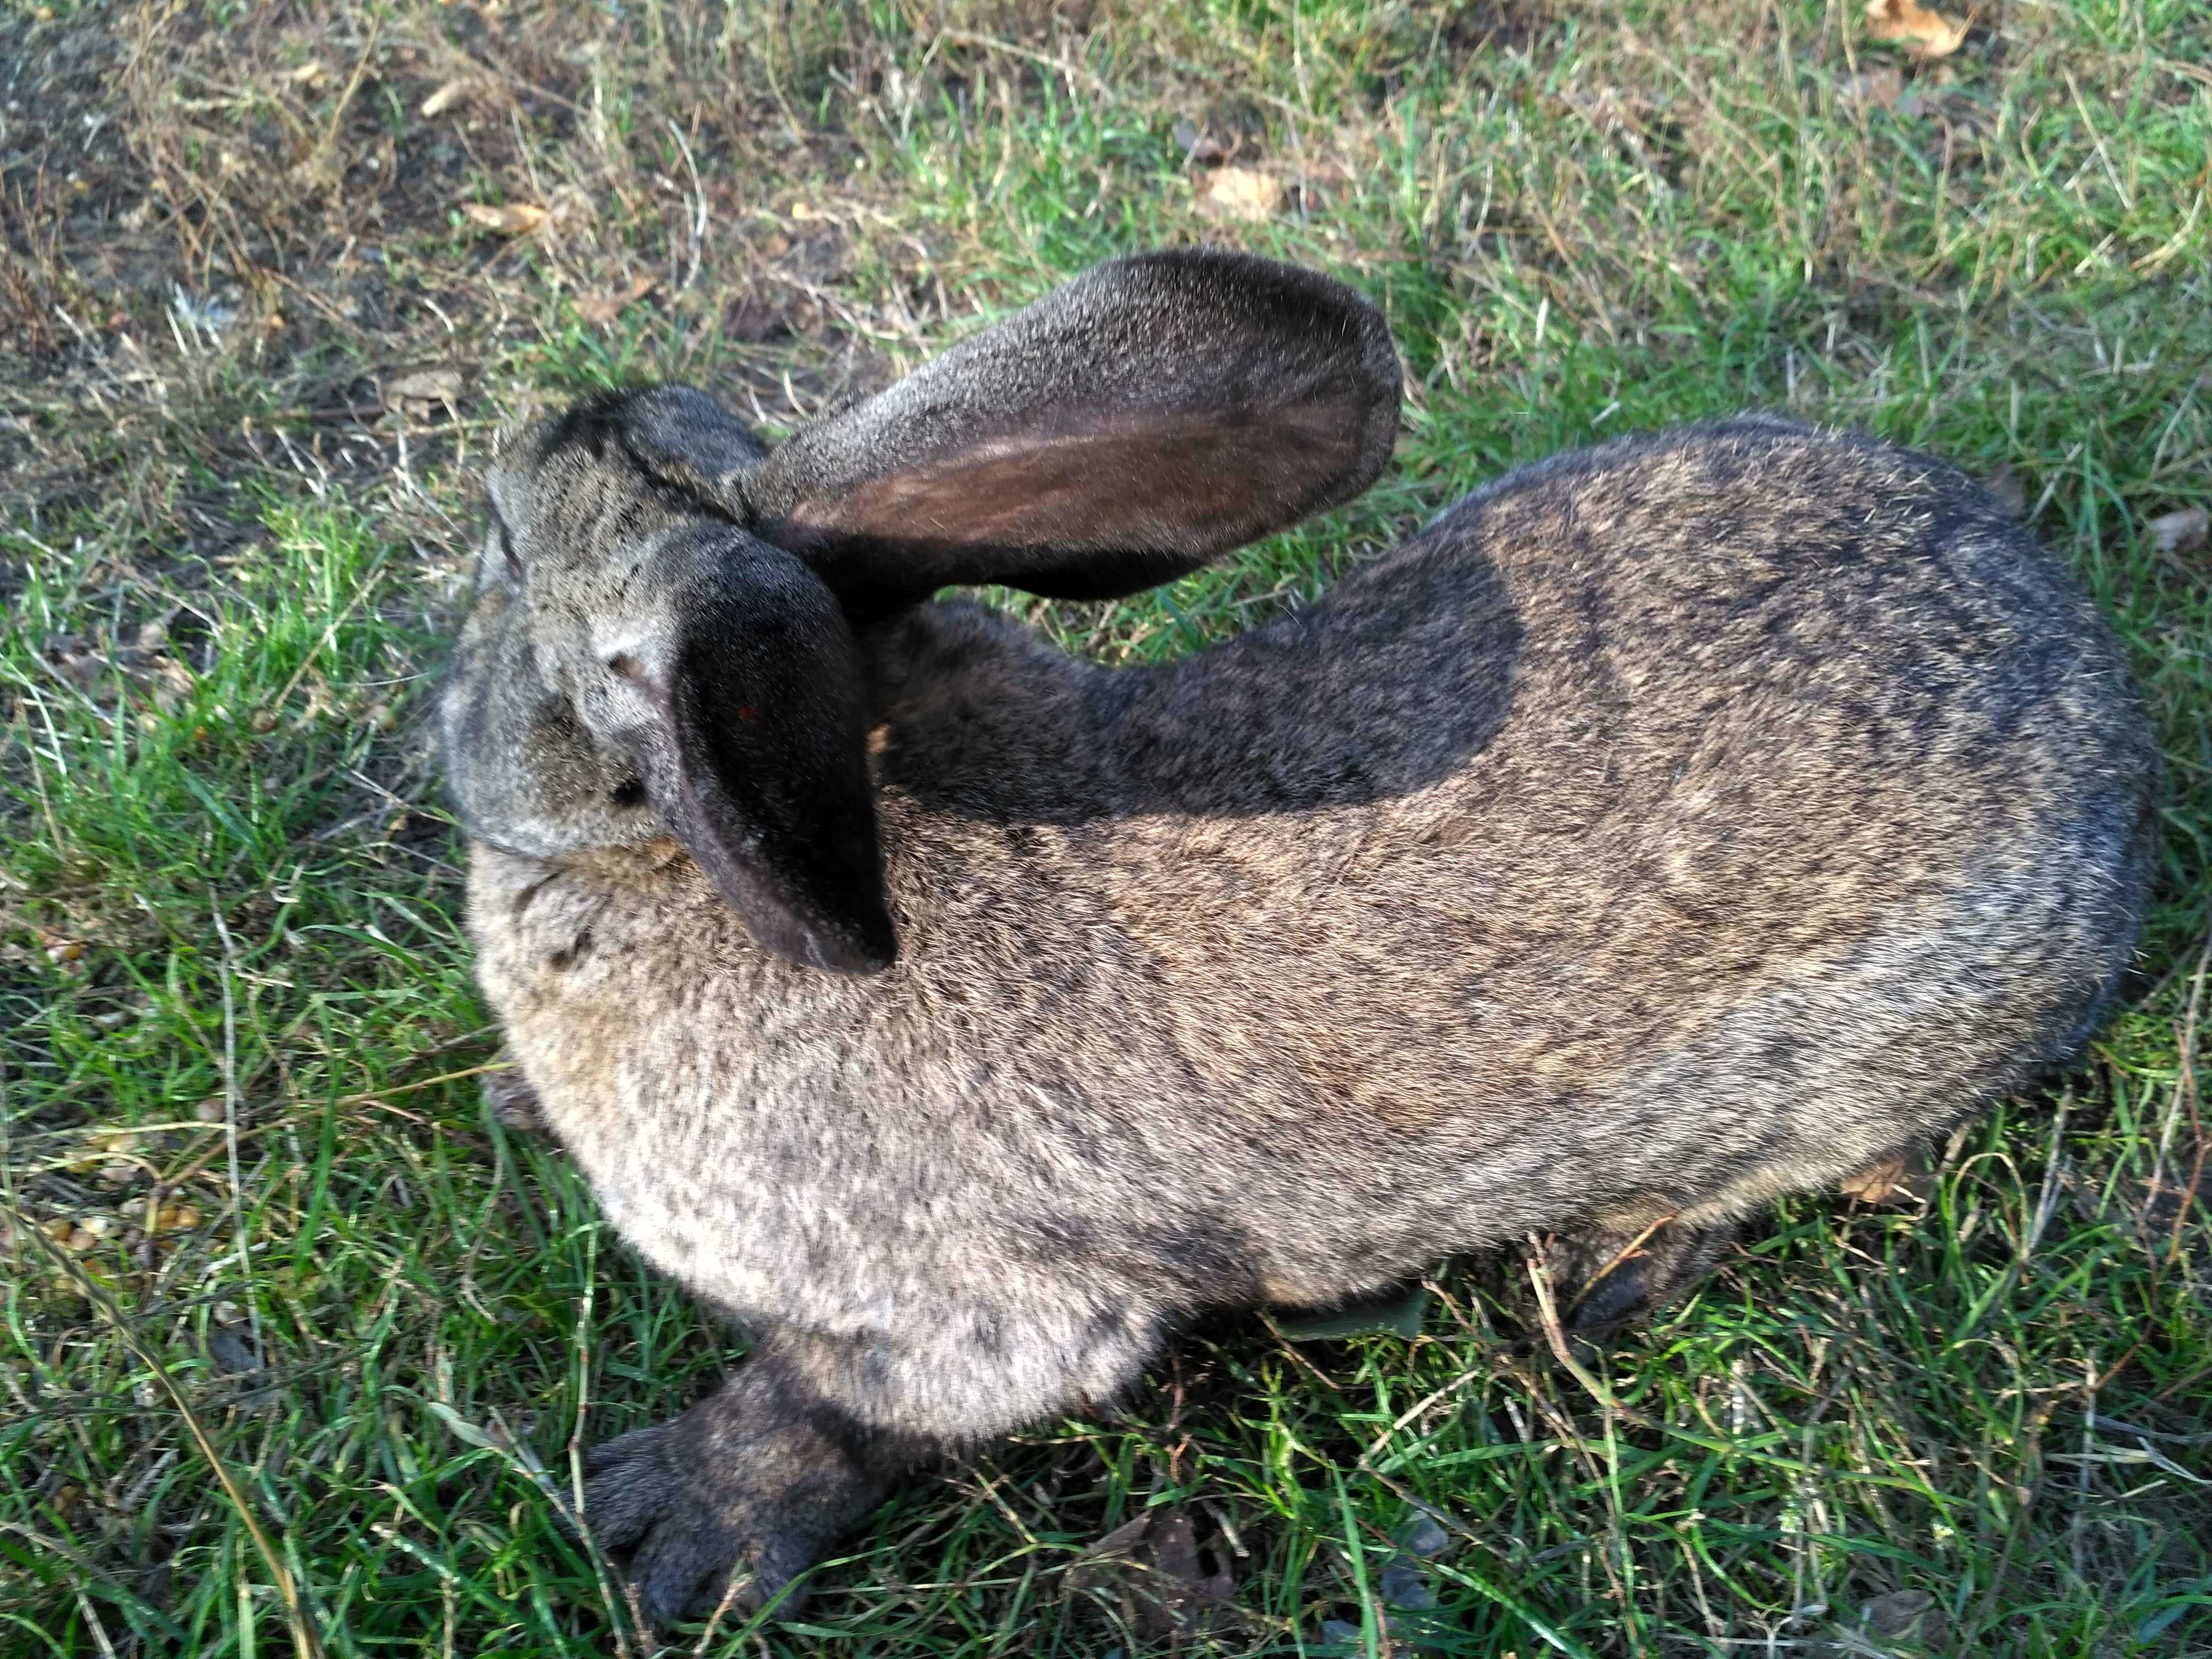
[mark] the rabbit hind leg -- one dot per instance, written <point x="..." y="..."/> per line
<point x="1623" y="1267"/>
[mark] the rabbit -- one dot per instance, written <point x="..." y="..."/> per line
<point x="1669" y="826"/>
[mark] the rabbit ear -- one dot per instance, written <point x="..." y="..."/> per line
<point x="752" y="752"/>
<point x="1153" y="414"/>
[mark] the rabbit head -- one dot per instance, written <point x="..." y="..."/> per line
<point x="662" y="640"/>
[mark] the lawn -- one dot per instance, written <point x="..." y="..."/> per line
<point x="300" y="1344"/>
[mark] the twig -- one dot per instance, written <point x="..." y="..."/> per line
<point x="352" y="86"/>
<point x="699" y="208"/>
<point x="1556" y="1339"/>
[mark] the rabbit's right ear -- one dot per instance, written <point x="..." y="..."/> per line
<point x="1154" y="413"/>
<point x="735" y="688"/>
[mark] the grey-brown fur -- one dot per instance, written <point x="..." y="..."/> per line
<point x="1669" y="826"/>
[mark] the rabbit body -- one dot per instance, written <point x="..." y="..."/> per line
<point x="1670" y="826"/>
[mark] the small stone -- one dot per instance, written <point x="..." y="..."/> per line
<point x="2182" y="531"/>
<point x="209" y="1111"/>
<point x="1424" y="1536"/>
<point x="1405" y="1585"/>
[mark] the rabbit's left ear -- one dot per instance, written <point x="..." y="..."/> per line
<point x="1154" y="413"/>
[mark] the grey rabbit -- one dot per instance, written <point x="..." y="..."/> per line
<point x="1668" y="826"/>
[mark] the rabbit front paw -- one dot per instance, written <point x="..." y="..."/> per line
<point x="513" y="1101"/>
<point x="751" y="1485"/>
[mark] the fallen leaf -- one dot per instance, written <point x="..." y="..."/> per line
<point x="424" y="385"/>
<point x="2182" y="531"/>
<point x="171" y="681"/>
<point x="1239" y="193"/>
<point x="1922" y="33"/>
<point x="600" y="309"/>
<point x="446" y="96"/>
<point x="1901" y="1174"/>
<point x="1877" y="87"/>
<point x="1394" y="1313"/>
<point x="308" y="74"/>
<point x="1197" y="146"/>
<point x="1906" y="1615"/>
<point x="510" y="219"/>
<point x="1168" y="1583"/>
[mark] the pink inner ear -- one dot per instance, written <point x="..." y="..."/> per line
<point x="1137" y="482"/>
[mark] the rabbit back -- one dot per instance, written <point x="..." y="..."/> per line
<point x="1672" y="824"/>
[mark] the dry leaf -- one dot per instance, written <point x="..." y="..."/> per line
<point x="308" y="74"/>
<point x="600" y="309"/>
<point x="1901" y="1174"/>
<point x="86" y="670"/>
<point x="1877" y="87"/>
<point x="2182" y="531"/>
<point x="424" y="385"/>
<point x="446" y="96"/>
<point x="1167" y="1581"/>
<point x="513" y="219"/>
<point x="1875" y="1184"/>
<point x="1240" y="193"/>
<point x="1922" y="33"/>
<point x="1906" y="1616"/>
<point x="1199" y="147"/>
<point x="171" y="680"/>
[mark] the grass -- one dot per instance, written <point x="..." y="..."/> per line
<point x="253" y="1206"/>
